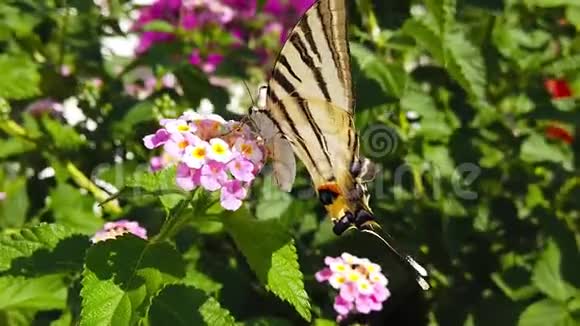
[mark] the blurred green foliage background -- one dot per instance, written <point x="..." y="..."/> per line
<point x="478" y="109"/>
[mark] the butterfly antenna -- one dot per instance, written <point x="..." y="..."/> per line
<point x="250" y="94"/>
<point x="419" y="271"/>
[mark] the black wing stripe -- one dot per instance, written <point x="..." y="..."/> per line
<point x="307" y="31"/>
<point x="290" y="122"/>
<point x="284" y="61"/>
<point x="301" y="48"/>
<point x="326" y="21"/>
<point x="289" y="88"/>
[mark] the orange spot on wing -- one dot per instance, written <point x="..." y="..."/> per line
<point x="333" y="186"/>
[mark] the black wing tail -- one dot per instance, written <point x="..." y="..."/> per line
<point x="419" y="271"/>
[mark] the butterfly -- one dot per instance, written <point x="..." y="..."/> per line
<point x="307" y="110"/>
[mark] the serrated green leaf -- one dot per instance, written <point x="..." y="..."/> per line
<point x="547" y="275"/>
<point x="426" y="35"/>
<point x="546" y="312"/>
<point x="271" y="254"/>
<point x="122" y="275"/>
<point x="392" y="78"/>
<point x="214" y="314"/>
<point x="28" y="241"/>
<point x="184" y="305"/>
<point x="46" y="292"/>
<point x="66" y="257"/>
<point x="104" y="303"/>
<point x="20" y="77"/>
<point x="442" y="11"/>
<point x="465" y="63"/>
<point x="73" y="209"/>
<point x="158" y="181"/>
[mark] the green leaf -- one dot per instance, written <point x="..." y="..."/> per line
<point x="66" y="257"/>
<point x="573" y="15"/>
<point x="14" y="146"/>
<point x="46" y="292"/>
<point x="73" y="209"/>
<point x="184" y="305"/>
<point x="122" y="275"/>
<point x="14" y="208"/>
<point x="161" y="184"/>
<point x="546" y="312"/>
<point x="63" y="136"/>
<point x="515" y="284"/>
<point x="426" y="35"/>
<point x="565" y="65"/>
<point x="442" y="11"/>
<point x="104" y="303"/>
<point x="433" y="121"/>
<point x="273" y="202"/>
<point x="465" y="63"/>
<point x="142" y="112"/>
<point x="392" y="78"/>
<point x="20" y="317"/>
<point x="536" y="149"/>
<point x="271" y="254"/>
<point x="547" y="275"/>
<point x="28" y="241"/>
<point x="20" y="77"/>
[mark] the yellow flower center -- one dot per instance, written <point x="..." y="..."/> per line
<point x="198" y="153"/>
<point x="183" y="128"/>
<point x="182" y="144"/>
<point x="353" y="277"/>
<point x="219" y="149"/>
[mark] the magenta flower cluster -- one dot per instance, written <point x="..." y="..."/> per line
<point x="211" y="153"/>
<point x="236" y="17"/>
<point x="362" y="288"/>
<point x="111" y="230"/>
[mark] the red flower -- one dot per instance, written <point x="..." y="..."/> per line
<point x="558" y="88"/>
<point x="554" y="131"/>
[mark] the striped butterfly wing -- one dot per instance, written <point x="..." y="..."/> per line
<point x="310" y="93"/>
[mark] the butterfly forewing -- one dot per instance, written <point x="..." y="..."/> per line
<point x="310" y="92"/>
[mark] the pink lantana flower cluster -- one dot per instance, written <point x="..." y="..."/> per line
<point x="111" y="230"/>
<point x="211" y="153"/>
<point x="362" y="288"/>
